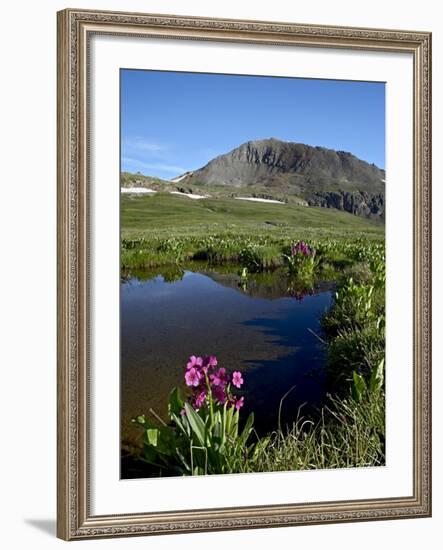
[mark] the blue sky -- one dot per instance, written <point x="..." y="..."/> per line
<point x="173" y="122"/>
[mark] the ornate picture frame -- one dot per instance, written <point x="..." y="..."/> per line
<point x="75" y="30"/>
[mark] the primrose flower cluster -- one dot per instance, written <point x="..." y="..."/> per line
<point x="210" y="384"/>
<point x="301" y="248"/>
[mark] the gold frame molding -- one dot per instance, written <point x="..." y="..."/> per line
<point x="75" y="27"/>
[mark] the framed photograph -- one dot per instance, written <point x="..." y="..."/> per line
<point x="244" y="299"/>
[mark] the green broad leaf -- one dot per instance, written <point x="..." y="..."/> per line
<point x="166" y="443"/>
<point x="175" y="404"/>
<point x="234" y="425"/>
<point x="152" y="436"/>
<point x="223" y="426"/>
<point x="231" y="424"/>
<point x="197" y="424"/>
<point x="217" y="426"/>
<point x="150" y="455"/>
<point x="246" y="430"/>
<point x="210" y="428"/>
<point x="182" y="424"/>
<point x="358" y="387"/>
<point x="377" y="377"/>
<point x="200" y="458"/>
<point x="184" y="461"/>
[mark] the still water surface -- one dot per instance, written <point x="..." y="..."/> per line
<point x="259" y="326"/>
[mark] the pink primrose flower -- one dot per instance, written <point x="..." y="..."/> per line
<point x="194" y="362"/>
<point x="192" y="377"/>
<point x="237" y="379"/>
<point x="219" y="394"/>
<point x="239" y="403"/>
<point x="200" y="399"/>
<point x="220" y="378"/>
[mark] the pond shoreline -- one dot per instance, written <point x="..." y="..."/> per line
<point x="270" y="284"/>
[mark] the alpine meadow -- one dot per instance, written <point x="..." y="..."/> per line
<point x="252" y="269"/>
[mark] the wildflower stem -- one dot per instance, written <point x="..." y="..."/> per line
<point x="317" y="336"/>
<point x="155" y="415"/>
<point x="211" y="406"/>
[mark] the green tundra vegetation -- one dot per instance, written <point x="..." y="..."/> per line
<point x="165" y="231"/>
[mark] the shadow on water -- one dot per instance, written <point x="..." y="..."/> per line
<point x="298" y="376"/>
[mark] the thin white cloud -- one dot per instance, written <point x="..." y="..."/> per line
<point x="154" y="166"/>
<point x="139" y="144"/>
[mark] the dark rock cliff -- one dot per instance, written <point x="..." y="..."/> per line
<point x="368" y="205"/>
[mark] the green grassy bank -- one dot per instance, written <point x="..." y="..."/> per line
<point x="166" y="230"/>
